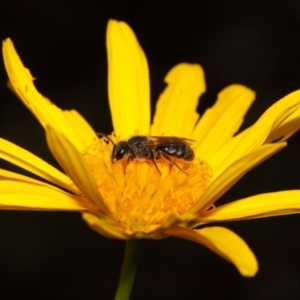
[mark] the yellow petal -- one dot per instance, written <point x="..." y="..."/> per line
<point x="80" y="127"/>
<point x="223" y="242"/>
<point x="219" y="123"/>
<point x="257" y="134"/>
<point x="216" y="160"/>
<point x="176" y="107"/>
<point x="19" y="195"/>
<point x="281" y="133"/>
<point x="7" y="175"/>
<point x="288" y="127"/>
<point x="128" y="81"/>
<point x="74" y="165"/>
<point x="47" y="113"/>
<point x="106" y="227"/>
<point x="26" y="160"/>
<point x="233" y="173"/>
<point x="259" y="206"/>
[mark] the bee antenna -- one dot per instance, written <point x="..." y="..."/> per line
<point x="99" y="134"/>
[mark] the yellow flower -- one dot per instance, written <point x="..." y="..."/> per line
<point x="133" y="199"/>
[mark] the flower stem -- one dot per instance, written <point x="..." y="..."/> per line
<point x="130" y="262"/>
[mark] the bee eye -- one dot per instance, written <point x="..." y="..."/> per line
<point x="120" y="151"/>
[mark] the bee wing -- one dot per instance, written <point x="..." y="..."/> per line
<point x="167" y="140"/>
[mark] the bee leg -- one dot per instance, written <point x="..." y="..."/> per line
<point x="170" y="160"/>
<point x="128" y="160"/>
<point x="151" y="156"/>
<point x="153" y="160"/>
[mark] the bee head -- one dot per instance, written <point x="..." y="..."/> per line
<point x="120" y="150"/>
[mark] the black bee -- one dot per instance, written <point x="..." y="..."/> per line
<point x="152" y="148"/>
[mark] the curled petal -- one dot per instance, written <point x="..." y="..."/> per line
<point x="176" y="107"/>
<point x="224" y="181"/>
<point x="106" y="227"/>
<point x="75" y="166"/>
<point x="128" y="81"/>
<point x="80" y="127"/>
<point x="223" y="242"/>
<point x="259" y="206"/>
<point x="259" y="133"/>
<point x="286" y="129"/>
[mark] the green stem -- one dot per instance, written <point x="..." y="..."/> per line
<point x="130" y="263"/>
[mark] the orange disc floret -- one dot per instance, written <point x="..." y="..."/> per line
<point x="139" y="196"/>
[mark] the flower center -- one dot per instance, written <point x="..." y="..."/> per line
<point x="138" y="195"/>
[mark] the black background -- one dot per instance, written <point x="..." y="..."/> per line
<point x="257" y="43"/>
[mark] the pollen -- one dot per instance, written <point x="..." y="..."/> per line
<point x="138" y="196"/>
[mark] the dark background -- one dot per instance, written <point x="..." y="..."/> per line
<point x="257" y="43"/>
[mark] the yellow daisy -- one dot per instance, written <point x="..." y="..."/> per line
<point x="146" y="199"/>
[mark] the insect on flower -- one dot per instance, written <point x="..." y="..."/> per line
<point x="152" y="148"/>
<point x="140" y="204"/>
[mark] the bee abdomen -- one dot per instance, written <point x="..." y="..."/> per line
<point x="182" y="152"/>
<point x="185" y="152"/>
